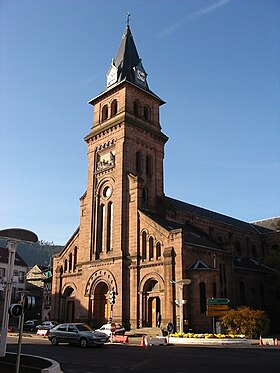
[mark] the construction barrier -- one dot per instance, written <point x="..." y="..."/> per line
<point x="42" y="332"/>
<point x="120" y="338"/>
<point x="159" y="341"/>
<point x="268" y="341"/>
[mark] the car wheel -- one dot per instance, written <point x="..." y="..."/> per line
<point x="83" y="342"/>
<point x="54" y="341"/>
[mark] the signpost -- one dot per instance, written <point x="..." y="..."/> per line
<point x="217" y="307"/>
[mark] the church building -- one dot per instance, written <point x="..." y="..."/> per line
<point x="138" y="253"/>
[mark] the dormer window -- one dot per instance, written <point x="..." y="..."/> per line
<point x="104" y="113"/>
<point x="114" y="108"/>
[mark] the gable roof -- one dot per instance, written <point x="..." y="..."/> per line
<point x="200" y="265"/>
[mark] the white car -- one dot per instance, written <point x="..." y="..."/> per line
<point x="107" y="329"/>
<point x="46" y="325"/>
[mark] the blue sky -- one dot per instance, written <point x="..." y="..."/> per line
<point x="214" y="62"/>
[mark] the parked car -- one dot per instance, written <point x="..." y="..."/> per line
<point x="107" y="328"/>
<point x="46" y="325"/>
<point x="30" y="325"/>
<point x="77" y="333"/>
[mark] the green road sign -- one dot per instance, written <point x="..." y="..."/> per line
<point x="218" y="301"/>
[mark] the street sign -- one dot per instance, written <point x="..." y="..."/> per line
<point x="216" y="313"/>
<point x="217" y="307"/>
<point x="218" y="301"/>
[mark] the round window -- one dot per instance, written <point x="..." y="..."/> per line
<point x="107" y="192"/>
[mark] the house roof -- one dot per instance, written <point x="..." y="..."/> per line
<point x="4" y="257"/>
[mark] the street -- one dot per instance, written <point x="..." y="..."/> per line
<point x="127" y="358"/>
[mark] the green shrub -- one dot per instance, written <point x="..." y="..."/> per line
<point x="245" y="320"/>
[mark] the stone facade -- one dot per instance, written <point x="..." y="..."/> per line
<point x="137" y="242"/>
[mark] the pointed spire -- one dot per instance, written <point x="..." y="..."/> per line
<point x="127" y="64"/>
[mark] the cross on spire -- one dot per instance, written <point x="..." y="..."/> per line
<point x="128" y="15"/>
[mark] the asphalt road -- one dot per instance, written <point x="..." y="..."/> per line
<point x="169" y="359"/>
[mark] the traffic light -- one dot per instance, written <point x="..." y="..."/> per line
<point x="29" y="302"/>
<point x="16" y="310"/>
<point x="112" y="297"/>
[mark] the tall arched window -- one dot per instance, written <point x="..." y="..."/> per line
<point x="104" y="112"/>
<point x="145" y="196"/>
<point x="158" y="250"/>
<point x="149" y="166"/>
<point x="202" y="297"/>
<point x="70" y="262"/>
<point x="100" y="227"/>
<point x="144" y="245"/>
<point x="65" y="265"/>
<point x="114" y="108"/>
<point x="136" y="108"/>
<point x="138" y="162"/>
<point x="238" y="248"/>
<point x="151" y="248"/>
<point x="75" y="259"/>
<point x="109" y="226"/>
<point x="147" y="113"/>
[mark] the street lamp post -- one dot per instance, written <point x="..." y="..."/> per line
<point x="13" y="236"/>
<point x="181" y="302"/>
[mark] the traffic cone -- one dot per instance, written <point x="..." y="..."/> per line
<point x="261" y="342"/>
<point x="143" y="341"/>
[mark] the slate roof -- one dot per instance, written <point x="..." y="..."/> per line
<point x="252" y="265"/>
<point x="4" y="256"/>
<point x="176" y="205"/>
<point x="192" y="235"/>
<point x="126" y="61"/>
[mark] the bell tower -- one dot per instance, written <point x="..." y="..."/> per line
<point x="125" y="157"/>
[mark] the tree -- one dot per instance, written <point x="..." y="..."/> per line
<point x="244" y="320"/>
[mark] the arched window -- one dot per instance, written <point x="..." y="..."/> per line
<point x="254" y="252"/>
<point x="114" y="108"/>
<point x="151" y="248"/>
<point x="138" y="161"/>
<point x="136" y="108"/>
<point x="70" y="262"/>
<point x="149" y="166"/>
<point x="144" y="245"/>
<point x="147" y="113"/>
<point x="100" y="223"/>
<point x="75" y="259"/>
<point x="158" y="250"/>
<point x="145" y="196"/>
<point x="65" y="265"/>
<point x="202" y="297"/>
<point x="109" y="226"/>
<point x="238" y="248"/>
<point x="104" y="113"/>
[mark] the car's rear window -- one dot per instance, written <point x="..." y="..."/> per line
<point x="83" y="328"/>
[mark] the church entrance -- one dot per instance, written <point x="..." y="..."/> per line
<point x="100" y="305"/>
<point x="68" y="304"/>
<point x="151" y="304"/>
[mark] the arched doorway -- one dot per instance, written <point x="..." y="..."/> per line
<point x="151" y="303"/>
<point x="100" y="305"/>
<point x="68" y="304"/>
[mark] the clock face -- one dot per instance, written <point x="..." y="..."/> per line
<point x="112" y="75"/>
<point x="140" y="75"/>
